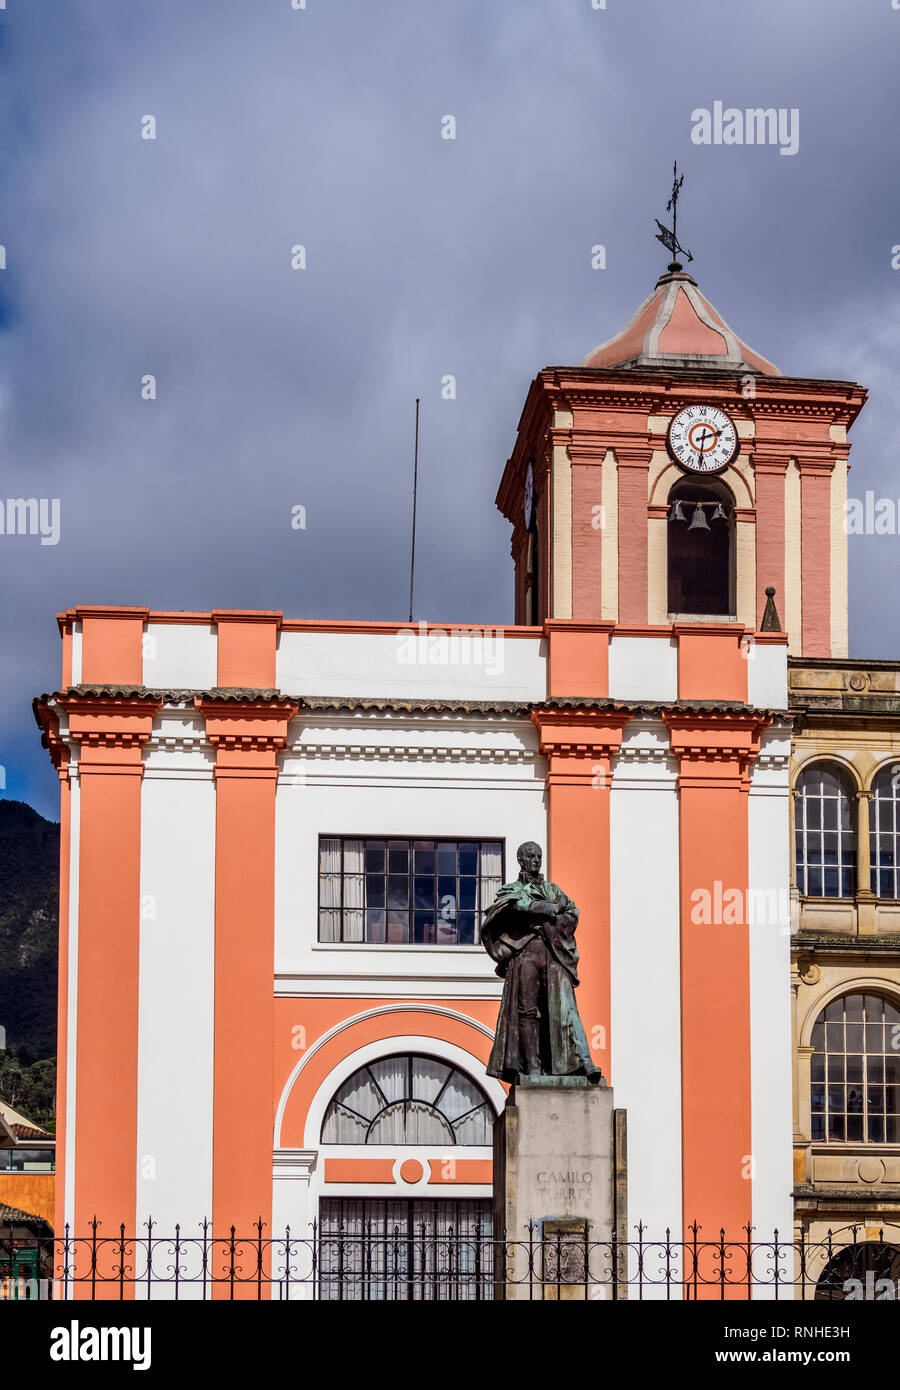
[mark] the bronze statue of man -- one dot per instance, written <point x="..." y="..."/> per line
<point x="529" y="931"/>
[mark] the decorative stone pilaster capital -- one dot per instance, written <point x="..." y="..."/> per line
<point x="248" y="729"/>
<point x="772" y="464"/>
<point x="815" y="467"/>
<point x="578" y="738"/>
<point x="112" y="725"/>
<point x="51" y="739"/>
<point x="715" y="747"/>
<point x="297" y="1165"/>
<point x="633" y="455"/>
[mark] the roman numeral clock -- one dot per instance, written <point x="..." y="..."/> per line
<point x="702" y="439"/>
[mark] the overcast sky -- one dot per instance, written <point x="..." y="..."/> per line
<point x="279" y="387"/>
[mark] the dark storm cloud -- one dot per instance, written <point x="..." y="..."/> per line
<point x="425" y="257"/>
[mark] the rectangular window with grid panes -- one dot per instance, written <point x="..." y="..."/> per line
<point x="396" y="891"/>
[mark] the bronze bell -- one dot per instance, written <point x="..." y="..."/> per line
<point x="676" y="512"/>
<point x="698" y="520"/>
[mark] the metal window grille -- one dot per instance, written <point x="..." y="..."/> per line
<point x="405" y="1250"/>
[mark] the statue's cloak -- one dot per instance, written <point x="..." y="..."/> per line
<point x="506" y="932"/>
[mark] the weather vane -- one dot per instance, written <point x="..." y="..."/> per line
<point x="670" y="239"/>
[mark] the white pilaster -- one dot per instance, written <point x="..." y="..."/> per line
<point x="646" y="975"/>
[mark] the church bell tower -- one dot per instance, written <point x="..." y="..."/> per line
<point x="678" y="527"/>
<point x="677" y="474"/>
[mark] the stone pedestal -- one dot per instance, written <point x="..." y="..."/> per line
<point x="559" y="1189"/>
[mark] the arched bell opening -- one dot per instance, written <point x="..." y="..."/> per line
<point x="701" y="549"/>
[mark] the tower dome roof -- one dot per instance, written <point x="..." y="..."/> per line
<point x="676" y="326"/>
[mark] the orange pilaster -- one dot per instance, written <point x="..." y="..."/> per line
<point x="711" y="662"/>
<point x="246" y="643"/>
<point x="112" y="645"/>
<point x="578" y="744"/>
<point x="111" y="732"/>
<point x="577" y="658"/>
<point x="62" y="994"/>
<point x="715" y="752"/>
<point x="247" y="736"/>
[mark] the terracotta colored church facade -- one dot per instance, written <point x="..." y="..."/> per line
<point x="214" y="767"/>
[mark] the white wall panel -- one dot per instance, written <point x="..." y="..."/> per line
<point x="369" y="788"/>
<point x="412" y="664"/>
<point x="76" y="653"/>
<point x="770" y="997"/>
<point x="643" y="668"/>
<point x="175" y="1009"/>
<point x="180" y="656"/>
<point x="767" y="676"/>
<point x="646" y="975"/>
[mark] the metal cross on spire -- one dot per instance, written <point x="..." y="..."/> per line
<point x="668" y="238"/>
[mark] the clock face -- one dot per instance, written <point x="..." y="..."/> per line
<point x="529" y="496"/>
<point x="703" y="439"/>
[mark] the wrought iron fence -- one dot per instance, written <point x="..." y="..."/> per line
<point x="427" y="1264"/>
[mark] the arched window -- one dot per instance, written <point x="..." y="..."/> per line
<point x="825" y="835"/>
<point x="855" y="1071"/>
<point x="409" y="1100"/>
<point x="534" y="571"/>
<point x="701" y="548"/>
<point x="884" y="833"/>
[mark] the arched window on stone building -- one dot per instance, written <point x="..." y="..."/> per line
<point x="825" y="832"/>
<point x="884" y="832"/>
<point x="855" y="1071"/>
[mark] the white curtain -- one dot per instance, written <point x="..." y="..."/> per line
<point x="476" y="1128"/>
<point x="410" y="1122"/>
<point x="361" y="1094"/>
<point x="329" y="890"/>
<point x="354" y="890"/>
<point x="391" y="1074"/>
<point x="459" y="1095"/>
<point x="343" y="1127"/>
<point x="491" y="872"/>
<point x="428" y="1077"/>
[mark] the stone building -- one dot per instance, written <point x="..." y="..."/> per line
<point x="845" y="945"/>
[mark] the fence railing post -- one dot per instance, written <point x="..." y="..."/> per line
<point x="205" y="1257"/>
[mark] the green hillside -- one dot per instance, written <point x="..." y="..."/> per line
<point x="29" y="889"/>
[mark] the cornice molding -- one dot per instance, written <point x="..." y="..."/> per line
<point x="187" y="738"/>
<point x="409" y="753"/>
<point x="775" y="762"/>
<point x="642" y="753"/>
